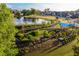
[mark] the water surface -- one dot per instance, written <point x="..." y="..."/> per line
<point x="30" y="21"/>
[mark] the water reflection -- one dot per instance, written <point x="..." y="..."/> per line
<point x="30" y="21"/>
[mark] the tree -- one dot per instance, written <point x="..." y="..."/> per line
<point x="30" y="12"/>
<point x="35" y="12"/>
<point x="26" y="12"/>
<point x="17" y="13"/>
<point x="7" y="32"/>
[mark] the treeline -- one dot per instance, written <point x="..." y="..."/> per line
<point x="32" y="11"/>
<point x="25" y="12"/>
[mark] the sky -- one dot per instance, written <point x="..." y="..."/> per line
<point x="42" y="6"/>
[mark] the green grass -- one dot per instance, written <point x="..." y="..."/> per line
<point x="41" y="17"/>
<point x="65" y="50"/>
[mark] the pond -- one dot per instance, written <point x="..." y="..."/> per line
<point x="30" y="21"/>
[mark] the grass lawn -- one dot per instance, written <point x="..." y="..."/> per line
<point x="65" y="50"/>
<point x="42" y="17"/>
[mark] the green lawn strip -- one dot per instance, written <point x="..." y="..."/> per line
<point x="41" y="17"/>
<point x="65" y="50"/>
